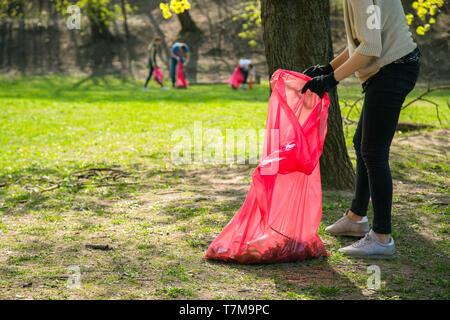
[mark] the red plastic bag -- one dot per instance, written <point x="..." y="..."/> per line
<point x="236" y="78"/>
<point x="181" y="82"/>
<point x="159" y="77"/>
<point x="279" y="219"/>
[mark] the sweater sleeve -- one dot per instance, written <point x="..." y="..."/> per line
<point x="367" y="27"/>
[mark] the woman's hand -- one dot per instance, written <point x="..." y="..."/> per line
<point x="321" y="84"/>
<point x="318" y="70"/>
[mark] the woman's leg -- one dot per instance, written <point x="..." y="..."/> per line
<point x="173" y="68"/>
<point x="382" y="105"/>
<point x="361" y="196"/>
<point x="149" y="74"/>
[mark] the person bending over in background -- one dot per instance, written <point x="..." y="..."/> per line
<point x="386" y="60"/>
<point x="180" y="52"/>
<point x="246" y="68"/>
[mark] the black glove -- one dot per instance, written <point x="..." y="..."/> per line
<point x="321" y="84"/>
<point x="318" y="70"/>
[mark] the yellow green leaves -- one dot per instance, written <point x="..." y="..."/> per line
<point x="410" y="18"/>
<point x="165" y="10"/>
<point x="425" y="9"/>
<point x="253" y="43"/>
<point x="250" y="15"/>
<point x="175" y="6"/>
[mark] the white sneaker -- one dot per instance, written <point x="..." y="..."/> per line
<point x="370" y="247"/>
<point x="164" y="88"/>
<point x="348" y="227"/>
<point x="243" y="86"/>
<point x="145" y="89"/>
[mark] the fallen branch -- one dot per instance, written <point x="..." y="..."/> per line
<point x="101" y="169"/>
<point x="104" y="247"/>
<point x="410" y="126"/>
<point x="353" y="105"/>
<point x="423" y="94"/>
<point x="56" y="186"/>
<point x="403" y="126"/>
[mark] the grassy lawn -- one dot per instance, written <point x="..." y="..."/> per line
<point x="87" y="162"/>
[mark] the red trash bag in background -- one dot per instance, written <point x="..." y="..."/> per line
<point x="181" y="82"/>
<point x="159" y="77"/>
<point x="280" y="217"/>
<point x="236" y="78"/>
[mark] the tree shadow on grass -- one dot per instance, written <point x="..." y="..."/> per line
<point x="221" y="191"/>
<point x="43" y="188"/>
<point x="419" y="271"/>
<point x="309" y="279"/>
<point x="206" y="199"/>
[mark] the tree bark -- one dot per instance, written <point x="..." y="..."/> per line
<point x="3" y="30"/>
<point x="296" y="35"/>
<point x="187" y="24"/>
<point x="99" y="28"/>
<point x="125" y="18"/>
<point x="192" y="35"/>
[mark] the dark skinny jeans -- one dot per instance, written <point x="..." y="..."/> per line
<point x="150" y="64"/>
<point x="385" y="93"/>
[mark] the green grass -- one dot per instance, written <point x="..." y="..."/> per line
<point x="87" y="161"/>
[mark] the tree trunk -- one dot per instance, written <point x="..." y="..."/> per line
<point x="125" y="18"/>
<point x="22" y="41"/>
<point x="99" y="28"/>
<point x="187" y="24"/>
<point x="192" y="35"/>
<point x="54" y="41"/>
<point x="3" y="30"/>
<point x="297" y="35"/>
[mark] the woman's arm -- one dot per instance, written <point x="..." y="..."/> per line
<point x="349" y="67"/>
<point x="325" y="83"/>
<point x="340" y="59"/>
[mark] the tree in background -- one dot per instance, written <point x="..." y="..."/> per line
<point x="250" y="16"/>
<point x="190" y="33"/>
<point x="101" y="15"/>
<point x="14" y="11"/>
<point x="181" y="9"/>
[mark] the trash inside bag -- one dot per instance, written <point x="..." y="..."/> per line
<point x="159" y="77"/>
<point x="280" y="217"/>
<point x="236" y="78"/>
<point x="181" y="81"/>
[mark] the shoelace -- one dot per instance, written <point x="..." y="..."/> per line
<point x="362" y="242"/>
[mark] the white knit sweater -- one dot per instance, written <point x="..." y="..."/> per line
<point x="377" y="28"/>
